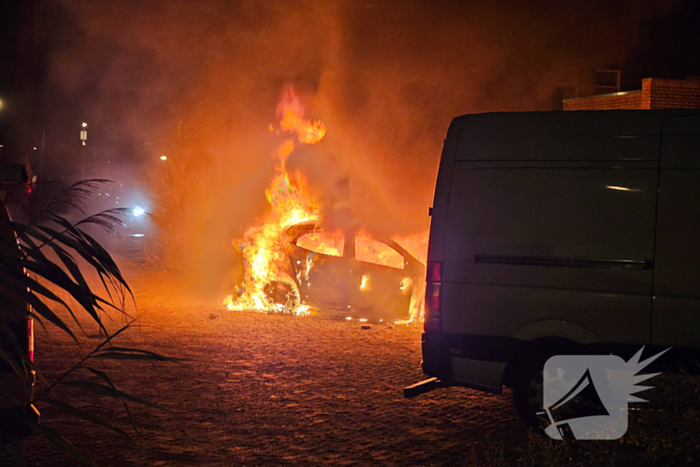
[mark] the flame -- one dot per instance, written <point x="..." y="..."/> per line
<point x="372" y="251"/>
<point x="291" y="203"/>
<point x="291" y="112"/>
<point x="364" y="284"/>
<point x="263" y="247"/>
<point x="416" y="245"/>
<point x="327" y="243"/>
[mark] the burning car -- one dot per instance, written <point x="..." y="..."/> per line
<point x="361" y="275"/>
<point x="292" y="263"/>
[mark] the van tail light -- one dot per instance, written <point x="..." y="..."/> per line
<point x="435" y="272"/>
<point x="30" y="338"/>
<point x="433" y="298"/>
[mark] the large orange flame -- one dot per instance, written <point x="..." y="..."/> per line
<point x="291" y="112"/>
<point x="291" y="203"/>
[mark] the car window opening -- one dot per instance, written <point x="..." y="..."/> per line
<point x="372" y="251"/>
<point x="325" y="243"/>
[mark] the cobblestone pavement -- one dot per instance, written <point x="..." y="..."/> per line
<point x="268" y="390"/>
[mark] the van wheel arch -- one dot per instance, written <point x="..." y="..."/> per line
<point x="524" y="375"/>
<point x="525" y="352"/>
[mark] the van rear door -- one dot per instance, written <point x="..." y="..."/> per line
<point x="676" y="306"/>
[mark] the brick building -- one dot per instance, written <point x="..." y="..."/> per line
<point x="655" y="94"/>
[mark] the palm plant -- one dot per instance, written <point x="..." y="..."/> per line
<point x="42" y="269"/>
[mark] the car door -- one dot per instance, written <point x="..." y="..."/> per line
<point x="381" y="280"/>
<point x="321" y="266"/>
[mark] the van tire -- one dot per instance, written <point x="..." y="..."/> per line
<point x="528" y="377"/>
<point x="528" y="380"/>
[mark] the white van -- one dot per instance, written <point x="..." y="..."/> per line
<point x="560" y="232"/>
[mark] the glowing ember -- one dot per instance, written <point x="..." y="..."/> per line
<point x="364" y="284"/>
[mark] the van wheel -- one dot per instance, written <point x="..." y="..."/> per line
<point x="528" y="390"/>
<point x="528" y="386"/>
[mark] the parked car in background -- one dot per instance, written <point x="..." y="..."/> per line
<point x="557" y="233"/>
<point x="16" y="326"/>
<point x="361" y="275"/>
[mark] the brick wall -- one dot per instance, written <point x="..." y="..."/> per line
<point x="670" y="94"/>
<point x="656" y="93"/>
<point x="620" y="100"/>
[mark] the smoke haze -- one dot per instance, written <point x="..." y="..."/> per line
<point x="199" y="81"/>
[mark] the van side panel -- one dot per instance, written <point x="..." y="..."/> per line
<point x="442" y="190"/>
<point x="529" y="126"/>
<point x="676" y="306"/>
<point x="551" y="218"/>
<point x="541" y="241"/>
<point x="558" y="148"/>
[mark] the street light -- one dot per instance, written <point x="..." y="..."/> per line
<point x="83" y="155"/>
<point x="164" y="158"/>
<point x="83" y="134"/>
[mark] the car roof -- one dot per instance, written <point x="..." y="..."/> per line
<point x="297" y="230"/>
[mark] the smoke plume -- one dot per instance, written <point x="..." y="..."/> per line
<point x="199" y="82"/>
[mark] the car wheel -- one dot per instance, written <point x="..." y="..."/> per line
<point x="283" y="296"/>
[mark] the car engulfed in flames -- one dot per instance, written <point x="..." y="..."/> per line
<point x="292" y="263"/>
<point x="362" y="276"/>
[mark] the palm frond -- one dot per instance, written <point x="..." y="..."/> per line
<point x="46" y="264"/>
<point x="77" y="194"/>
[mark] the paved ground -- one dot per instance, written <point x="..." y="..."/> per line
<point x="270" y="390"/>
<point x="280" y="390"/>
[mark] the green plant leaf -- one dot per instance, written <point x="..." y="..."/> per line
<point x="72" y="410"/>
<point x="17" y="452"/>
<point x="134" y="356"/>
<point x="63" y="445"/>
<point x="137" y="352"/>
<point x="103" y="390"/>
<point x="93" y="253"/>
<point x="41" y="309"/>
<point x="114" y="269"/>
<point x="101" y="374"/>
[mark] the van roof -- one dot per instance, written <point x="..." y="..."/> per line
<point x="563" y="135"/>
